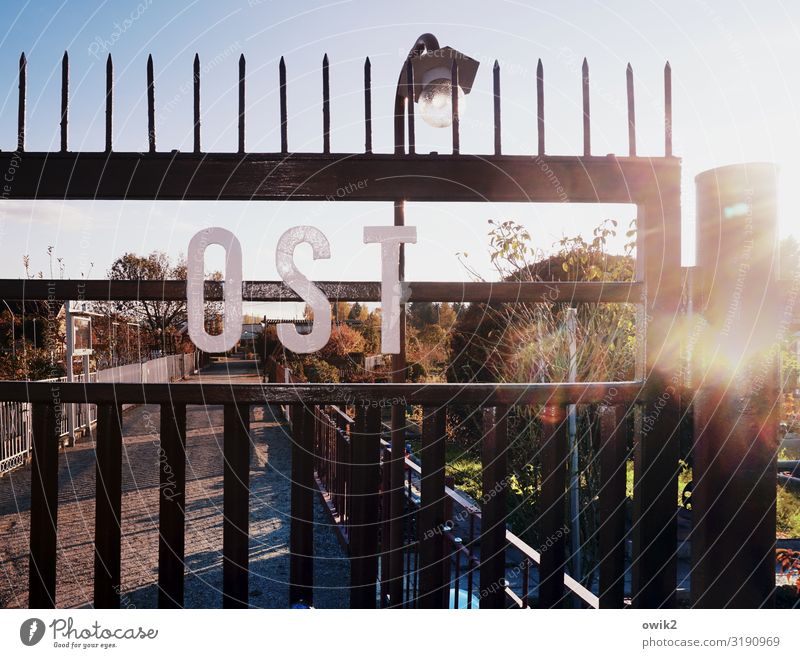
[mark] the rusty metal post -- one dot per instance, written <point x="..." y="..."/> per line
<point x="737" y="401"/>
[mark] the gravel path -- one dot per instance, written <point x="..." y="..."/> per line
<point x="270" y="470"/>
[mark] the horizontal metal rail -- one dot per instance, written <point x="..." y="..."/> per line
<point x="338" y="176"/>
<point x="353" y="291"/>
<point x="556" y="394"/>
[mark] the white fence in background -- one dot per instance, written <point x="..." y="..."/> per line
<point x="15" y="417"/>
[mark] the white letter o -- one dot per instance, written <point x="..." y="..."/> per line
<point x="232" y="290"/>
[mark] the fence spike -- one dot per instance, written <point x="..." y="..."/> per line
<point x="454" y="82"/>
<point x="667" y="110"/>
<point x="241" y="102"/>
<point x="412" y="135"/>
<point x="496" y="91"/>
<point x="326" y="107"/>
<point x="109" y="101"/>
<point x="151" y="106"/>
<point x="64" y="99"/>
<point x="23" y="76"/>
<point x="540" y="105"/>
<point x="587" y="137"/>
<point x="367" y="106"/>
<point x="284" y="117"/>
<point x="631" y="112"/>
<point x="196" y="80"/>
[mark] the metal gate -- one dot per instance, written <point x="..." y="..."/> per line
<point x="652" y="183"/>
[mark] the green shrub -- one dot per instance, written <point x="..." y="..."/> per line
<point x="788" y="515"/>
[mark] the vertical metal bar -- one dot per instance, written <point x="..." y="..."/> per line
<point x="540" y="105"/>
<point x="457" y="541"/>
<point x="526" y="582"/>
<point x="408" y="527"/>
<point x="471" y="563"/>
<point x="44" y="506"/>
<point x="23" y="77"/>
<point x="410" y="107"/>
<point x="172" y="505"/>
<point x="365" y="520"/>
<point x="493" y="519"/>
<point x="326" y="433"/>
<point x="587" y="127"/>
<point x="236" y="506"/>
<point x="631" y="112"/>
<point x="341" y="454"/>
<point x="326" y="106"/>
<point x="284" y="111"/>
<point x="431" y="516"/>
<point x="301" y="531"/>
<point x="109" y="102"/>
<point x="107" y="525"/>
<point x="334" y="455"/>
<point x="64" y="100"/>
<point x="321" y="455"/>
<point x="350" y="479"/>
<point x="447" y="541"/>
<point x="400" y="102"/>
<point x="454" y="83"/>
<point x="667" y="110"/>
<point x="613" y="463"/>
<point x="196" y="79"/>
<point x="367" y="106"/>
<point x="317" y="447"/>
<point x="347" y="483"/>
<point x="654" y="561"/>
<point x="498" y="145"/>
<point x="397" y="466"/>
<point x="415" y="596"/>
<point x="386" y="549"/>
<point x="554" y="455"/>
<point x="325" y="440"/>
<point x="242" y="66"/>
<point x="151" y="106"/>
<point x="399" y="363"/>
<point x="573" y="445"/>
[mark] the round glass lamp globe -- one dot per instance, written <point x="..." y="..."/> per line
<point x="436" y="102"/>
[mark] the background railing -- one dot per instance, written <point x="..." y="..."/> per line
<point x="16" y="433"/>
<point x="469" y="582"/>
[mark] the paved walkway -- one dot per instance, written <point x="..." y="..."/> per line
<point x="269" y="509"/>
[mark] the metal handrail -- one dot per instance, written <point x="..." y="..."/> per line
<point x="546" y="394"/>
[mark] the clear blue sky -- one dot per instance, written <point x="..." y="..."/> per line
<point x="736" y="98"/>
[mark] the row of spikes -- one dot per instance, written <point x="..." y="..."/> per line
<point x="326" y="116"/>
